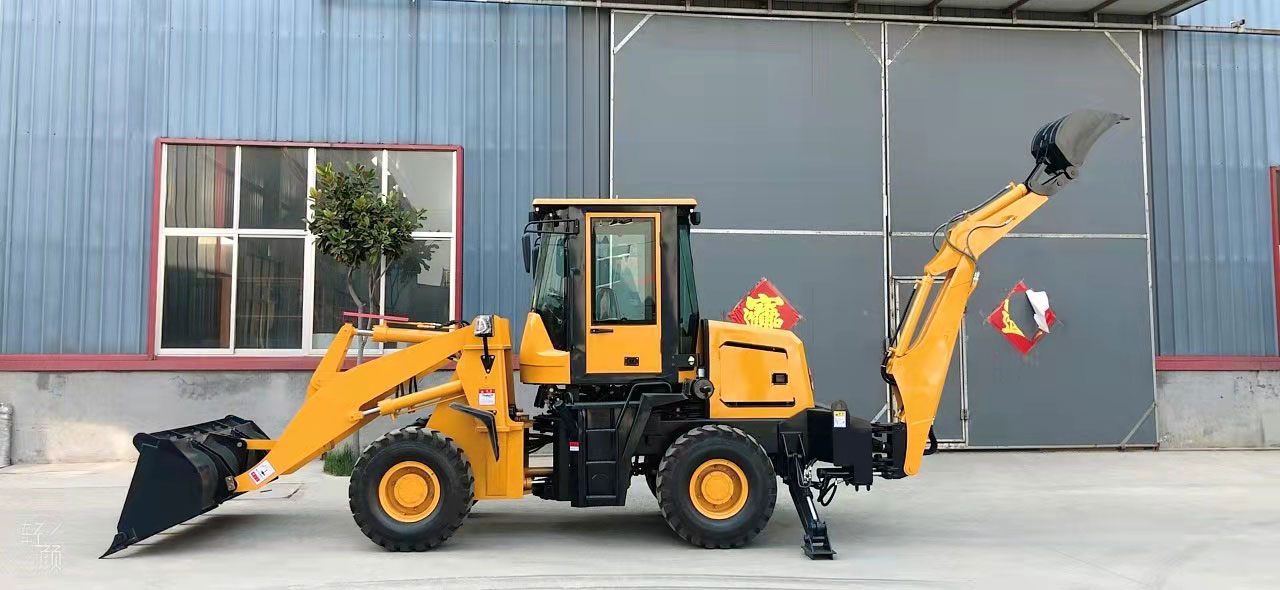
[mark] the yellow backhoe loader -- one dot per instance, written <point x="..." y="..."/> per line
<point x="631" y="381"/>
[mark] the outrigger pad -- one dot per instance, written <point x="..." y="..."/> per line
<point x="182" y="474"/>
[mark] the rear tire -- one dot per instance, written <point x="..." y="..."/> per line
<point x="732" y="481"/>
<point x="411" y="489"/>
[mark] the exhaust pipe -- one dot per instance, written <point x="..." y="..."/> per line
<point x="183" y="473"/>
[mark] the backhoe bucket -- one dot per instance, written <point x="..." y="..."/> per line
<point x="183" y="473"/>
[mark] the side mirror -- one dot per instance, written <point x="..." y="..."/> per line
<point x="526" y="243"/>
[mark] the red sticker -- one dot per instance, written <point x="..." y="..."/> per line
<point x="765" y="307"/>
<point x="1003" y="323"/>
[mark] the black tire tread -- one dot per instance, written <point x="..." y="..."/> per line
<point x="425" y="436"/>
<point x="689" y="531"/>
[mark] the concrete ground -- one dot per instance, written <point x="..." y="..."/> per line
<point x="971" y="520"/>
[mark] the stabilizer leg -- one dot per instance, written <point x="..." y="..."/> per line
<point x="816" y="543"/>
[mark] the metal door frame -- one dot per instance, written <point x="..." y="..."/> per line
<point x="887" y="234"/>
<point x="895" y="312"/>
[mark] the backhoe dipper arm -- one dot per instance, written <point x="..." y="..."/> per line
<point x="917" y="363"/>
<point x="917" y="360"/>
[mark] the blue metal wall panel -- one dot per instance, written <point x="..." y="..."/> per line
<point x="1215" y="131"/>
<point x="86" y="88"/>
<point x="1263" y="14"/>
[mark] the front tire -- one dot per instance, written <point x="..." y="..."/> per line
<point x="411" y="489"/>
<point x="716" y="487"/>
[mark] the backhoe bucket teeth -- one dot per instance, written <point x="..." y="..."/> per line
<point x="183" y="473"/>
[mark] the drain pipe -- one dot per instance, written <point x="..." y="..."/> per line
<point x="6" y="434"/>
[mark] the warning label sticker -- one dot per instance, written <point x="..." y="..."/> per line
<point x="263" y="471"/>
<point x="839" y="419"/>
<point x="487" y="397"/>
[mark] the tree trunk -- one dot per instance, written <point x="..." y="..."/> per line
<point x="351" y="290"/>
<point x="355" y="298"/>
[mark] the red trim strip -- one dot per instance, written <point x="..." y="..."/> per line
<point x="1275" y="242"/>
<point x="68" y="363"/>
<point x="155" y="246"/>
<point x="457" y="238"/>
<point x="142" y="362"/>
<point x="314" y="144"/>
<point x="356" y="314"/>
<point x="1217" y="363"/>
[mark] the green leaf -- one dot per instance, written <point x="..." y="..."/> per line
<point x="356" y="225"/>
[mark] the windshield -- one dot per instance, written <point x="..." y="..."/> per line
<point x="549" y="287"/>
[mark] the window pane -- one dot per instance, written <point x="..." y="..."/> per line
<point x="418" y="283"/>
<point x="273" y="188"/>
<point x="549" y="286"/>
<point x="199" y="186"/>
<point x="425" y="181"/>
<point x="622" y="278"/>
<point x="342" y="159"/>
<point x="332" y="298"/>
<point x="197" y="292"/>
<point x="269" y="293"/>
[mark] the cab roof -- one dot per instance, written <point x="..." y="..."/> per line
<point x="607" y="202"/>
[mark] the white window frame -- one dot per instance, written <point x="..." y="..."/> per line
<point x="235" y="233"/>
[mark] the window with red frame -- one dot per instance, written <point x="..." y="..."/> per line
<point x="237" y="271"/>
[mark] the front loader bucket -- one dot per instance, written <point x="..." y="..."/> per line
<point x="183" y="473"/>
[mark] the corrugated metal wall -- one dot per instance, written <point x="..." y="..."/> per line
<point x="1220" y="13"/>
<point x="1215" y="131"/>
<point x="85" y="88"/>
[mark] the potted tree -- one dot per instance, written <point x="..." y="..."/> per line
<point x="360" y="228"/>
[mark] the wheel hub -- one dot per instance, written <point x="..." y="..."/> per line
<point x="409" y="491"/>
<point x="718" y="489"/>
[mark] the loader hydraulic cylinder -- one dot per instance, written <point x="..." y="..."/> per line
<point x="440" y="393"/>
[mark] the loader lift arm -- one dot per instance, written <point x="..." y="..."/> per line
<point x="339" y="402"/>
<point x="186" y="472"/>
<point x="916" y="361"/>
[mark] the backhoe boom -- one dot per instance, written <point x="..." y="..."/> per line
<point x="917" y="363"/>
<point x="917" y="360"/>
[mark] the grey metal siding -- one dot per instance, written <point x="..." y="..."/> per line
<point x="85" y="89"/>
<point x="1220" y="13"/>
<point x="1215" y="131"/>
<point x="771" y="125"/>
<point x="945" y="118"/>
<point x="768" y="95"/>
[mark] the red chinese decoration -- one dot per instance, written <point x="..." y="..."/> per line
<point x="1003" y="323"/>
<point x="765" y="307"/>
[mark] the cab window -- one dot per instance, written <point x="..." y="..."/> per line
<point x="623" y="287"/>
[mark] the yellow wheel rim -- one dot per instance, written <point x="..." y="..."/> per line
<point x="718" y="489"/>
<point x="409" y="491"/>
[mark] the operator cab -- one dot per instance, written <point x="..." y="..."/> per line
<point x="614" y="299"/>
